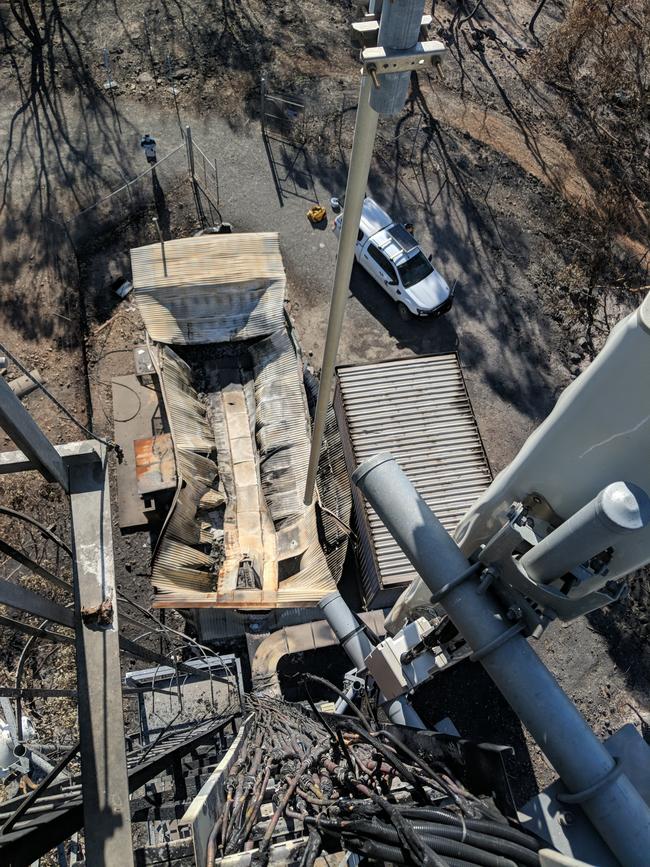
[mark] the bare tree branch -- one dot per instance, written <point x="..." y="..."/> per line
<point x="535" y="15"/>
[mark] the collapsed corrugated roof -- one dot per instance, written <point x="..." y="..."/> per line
<point x="210" y="289"/>
<point x="253" y="414"/>
<point x="180" y="565"/>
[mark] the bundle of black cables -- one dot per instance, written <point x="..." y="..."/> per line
<point x="421" y="832"/>
<point x="452" y="840"/>
<point x="350" y="784"/>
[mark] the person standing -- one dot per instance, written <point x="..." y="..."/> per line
<point x="148" y="144"/>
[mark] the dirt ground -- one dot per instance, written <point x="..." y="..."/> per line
<point x="489" y="162"/>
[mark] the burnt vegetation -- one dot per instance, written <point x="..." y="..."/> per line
<point x="597" y="63"/>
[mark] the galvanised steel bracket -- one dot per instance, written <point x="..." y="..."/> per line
<point x="499" y="553"/>
<point x="385" y="61"/>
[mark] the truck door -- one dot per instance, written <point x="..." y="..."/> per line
<point x="381" y="269"/>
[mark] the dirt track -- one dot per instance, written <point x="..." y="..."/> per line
<point x="537" y="153"/>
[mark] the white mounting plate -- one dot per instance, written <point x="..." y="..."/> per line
<point x="382" y="61"/>
<point x="370" y="24"/>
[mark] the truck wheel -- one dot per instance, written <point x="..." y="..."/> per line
<point x="404" y="312"/>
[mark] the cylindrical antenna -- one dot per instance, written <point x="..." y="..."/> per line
<point x="595" y="781"/>
<point x="619" y="509"/>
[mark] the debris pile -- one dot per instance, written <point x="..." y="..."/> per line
<point x="348" y="783"/>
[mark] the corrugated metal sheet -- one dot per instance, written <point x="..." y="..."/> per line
<point x="179" y="565"/>
<point x="280" y="436"/>
<point x="182" y="573"/>
<point x="419" y="410"/>
<point x="282" y="426"/>
<point x="216" y="288"/>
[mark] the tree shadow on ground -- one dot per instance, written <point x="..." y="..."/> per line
<point x="48" y="168"/>
<point x="626" y="629"/>
<point x="485" y="252"/>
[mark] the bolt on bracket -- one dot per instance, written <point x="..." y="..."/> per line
<point x="98" y="616"/>
<point x="384" y="61"/>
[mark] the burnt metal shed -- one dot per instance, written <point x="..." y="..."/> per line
<point x="419" y="410"/>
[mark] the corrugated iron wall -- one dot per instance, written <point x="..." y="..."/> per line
<point x="419" y="410"/>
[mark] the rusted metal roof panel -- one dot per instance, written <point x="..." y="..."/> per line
<point x="210" y="289"/>
<point x="419" y="410"/>
<point x="155" y="464"/>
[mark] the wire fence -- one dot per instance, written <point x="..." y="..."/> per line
<point x="281" y="115"/>
<point x="187" y="163"/>
<point x="210" y="173"/>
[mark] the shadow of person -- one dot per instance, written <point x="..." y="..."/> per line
<point x="162" y="211"/>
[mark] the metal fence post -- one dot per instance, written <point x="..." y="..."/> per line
<point x="263" y="103"/>
<point x="110" y="82"/>
<point x="189" y="147"/>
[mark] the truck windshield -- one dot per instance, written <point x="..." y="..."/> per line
<point x="416" y="269"/>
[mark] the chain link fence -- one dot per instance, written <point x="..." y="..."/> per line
<point x="185" y="164"/>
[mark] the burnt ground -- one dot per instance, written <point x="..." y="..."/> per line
<point x="486" y="164"/>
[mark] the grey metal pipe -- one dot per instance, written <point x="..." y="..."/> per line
<point x="43" y="764"/>
<point x="357" y="645"/>
<point x="399" y="28"/>
<point x="341" y="705"/>
<point x="363" y="144"/>
<point x="401" y="712"/>
<point x="347" y="628"/>
<point x="619" y="509"/>
<point x="614" y="806"/>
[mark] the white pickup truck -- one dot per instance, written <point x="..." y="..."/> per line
<point x="392" y="256"/>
